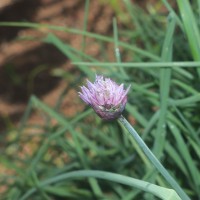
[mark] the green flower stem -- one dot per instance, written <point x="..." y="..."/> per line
<point x="153" y="159"/>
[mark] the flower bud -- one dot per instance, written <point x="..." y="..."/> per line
<point x="107" y="98"/>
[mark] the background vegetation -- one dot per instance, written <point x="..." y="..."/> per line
<point x="158" y="54"/>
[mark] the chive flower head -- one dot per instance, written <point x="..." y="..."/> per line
<point x="107" y="98"/>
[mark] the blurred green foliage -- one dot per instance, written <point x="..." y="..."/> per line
<point x="163" y="104"/>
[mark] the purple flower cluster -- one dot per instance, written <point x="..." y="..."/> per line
<point x="107" y="98"/>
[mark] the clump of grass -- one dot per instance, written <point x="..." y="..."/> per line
<point x="163" y="101"/>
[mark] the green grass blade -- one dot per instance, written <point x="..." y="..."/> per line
<point x="117" y="50"/>
<point x="165" y="81"/>
<point x="153" y="159"/>
<point x="80" y="152"/>
<point x="163" y="193"/>
<point x="184" y="152"/>
<point x="65" y="49"/>
<point x="191" y="28"/>
<point x="80" y="32"/>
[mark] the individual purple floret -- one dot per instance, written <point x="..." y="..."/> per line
<point x="107" y="98"/>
